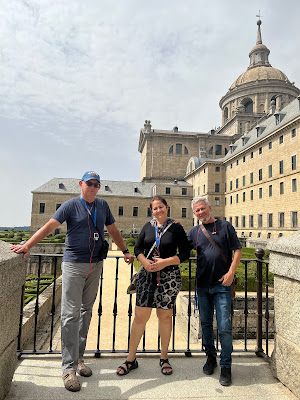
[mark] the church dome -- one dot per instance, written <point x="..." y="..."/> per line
<point x="259" y="69"/>
<point x="259" y="73"/>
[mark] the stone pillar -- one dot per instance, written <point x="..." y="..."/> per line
<point x="285" y="264"/>
<point x="12" y="278"/>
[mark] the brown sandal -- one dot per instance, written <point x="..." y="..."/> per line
<point x="71" y="381"/>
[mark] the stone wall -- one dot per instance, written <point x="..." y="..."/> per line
<point x="12" y="278"/>
<point x="285" y="264"/>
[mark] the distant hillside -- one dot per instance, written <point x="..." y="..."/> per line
<point x="16" y="228"/>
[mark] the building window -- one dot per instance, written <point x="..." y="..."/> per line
<point x="56" y="232"/>
<point x="270" y="220"/>
<point x="217" y="201"/>
<point x="218" y="149"/>
<point x="169" y="212"/>
<point x="281" y="219"/>
<point x="270" y="190"/>
<point x="244" y="180"/>
<point x="230" y="185"/>
<point x="149" y="212"/>
<point x="218" y="169"/>
<point x="225" y="186"/>
<point x="250" y="221"/>
<point x="168" y="190"/>
<point x="178" y="148"/>
<point x="294" y="215"/>
<point x="270" y="145"/>
<point x="244" y="159"/>
<point x="259" y="220"/>
<point x="210" y="151"/>
<point x="217" y="187"/>
<point x="281" y="167"/>
<point x="270" y="172"/>
<point x="259" y="234"/>
<point x="57" y="206"/>
<point x="251" y="155"/>
<point x="281" y="139"/>
<point x="260" y="193"/>
<point x="237" y="183"/>
<point x="236" y="222"/>
<point x="230" y="199"/>
<point x="294" y="185"/>
<point x="225" y="201"/>
<point x="244" y="196"/>
<point x="171" y="149"/>
<point x="121" y="211"/>
<point x="281" y="186"/>
<point x="251" y="177"/>
<point x="293" y="133"/>
<point x="250" y="234"/>
<point x="203" y="188"/>
<point x="230" y="220"/>
<point x="184" y="191"/>
<point x="251" y="194"/>
<point x="269" y="235"/>
<point x="260" y="174"/>
<point x="243" y="221"/>
<point x="237" y="162"/>
<point x="293" y="163"/>
<point x="42" y="208"/>
<point x="183" y="212"/>
<point x="260" y="150"/>
<point x="135" y="211"/>
<point x="186" y="150"/>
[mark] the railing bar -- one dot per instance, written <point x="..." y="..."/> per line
<point x="52" y="313"/>
<point x="129" y="309"/>
<point x="21" y="319"/>
<point x="98" y="352"/>
<point x="246" y="307"/>
<point x="115" y="310"/>
<point x="189" y="311"/>
<point x="36" y="309"/>
<point x="267" y="316"/>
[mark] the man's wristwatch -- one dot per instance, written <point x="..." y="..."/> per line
<point x="125" y="251"/>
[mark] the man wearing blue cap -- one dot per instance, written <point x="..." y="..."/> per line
<point x="82" y="264"/>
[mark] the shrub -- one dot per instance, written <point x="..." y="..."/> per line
<point x="130" y="242"/>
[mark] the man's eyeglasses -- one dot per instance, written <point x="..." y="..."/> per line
<point x="89" y="184"/>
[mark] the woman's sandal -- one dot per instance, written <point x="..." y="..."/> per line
<point x="163" y="369"/>
<point x="129" y="366"/>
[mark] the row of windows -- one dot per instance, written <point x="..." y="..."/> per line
<point x="270" y="224"/>
<point x="135" y="211"/>
<point x="260" y="192"/>
<point x="260" y="149"/>
<point x="260" y="174"/>
<point x="183" y="191"/>
<point x="178" y="149"/>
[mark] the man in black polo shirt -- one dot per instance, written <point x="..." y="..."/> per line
<point x="85" y="216"/>
<point x="214" y="277"/>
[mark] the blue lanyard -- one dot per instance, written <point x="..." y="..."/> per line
<point x="94" y="219"/>
<point x="157" y="235"/>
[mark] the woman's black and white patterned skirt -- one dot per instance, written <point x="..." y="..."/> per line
<point x="163" y="296"/>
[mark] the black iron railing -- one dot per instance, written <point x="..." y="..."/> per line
<point x="262" y="312"/>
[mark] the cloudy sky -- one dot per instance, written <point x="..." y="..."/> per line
<point x="79" y="78"/>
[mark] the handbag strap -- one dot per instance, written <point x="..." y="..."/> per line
<point x="213" y="242"/>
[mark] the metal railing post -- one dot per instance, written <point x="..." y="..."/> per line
<point x="259" y="254"/>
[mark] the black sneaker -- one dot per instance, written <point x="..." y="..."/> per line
<point x="225" y="376"/>
<point x="210" y="365"/>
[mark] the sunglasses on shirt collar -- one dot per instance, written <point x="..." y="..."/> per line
<point x="89" y="184"/>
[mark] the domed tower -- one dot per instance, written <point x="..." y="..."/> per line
<point x="255" y="91"/>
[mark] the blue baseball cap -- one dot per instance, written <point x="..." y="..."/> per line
<point x="90" y="175"/>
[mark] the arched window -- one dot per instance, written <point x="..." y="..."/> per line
<point x="185" y="150"/>
<point x="226" y="113"/>
<point x="218" y="149"/>
<point x="210" y="151"/>
<point x="178" y="148"/>
<point x="249" y="107"/>
<point x="171" y="150"/>
<point x="225" y="151"/>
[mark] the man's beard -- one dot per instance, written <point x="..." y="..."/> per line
<point x="205" y="219"/>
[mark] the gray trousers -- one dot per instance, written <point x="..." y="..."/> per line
<point x="79" y="291"/>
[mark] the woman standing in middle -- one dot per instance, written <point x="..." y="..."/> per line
<point x="159" y="280"/>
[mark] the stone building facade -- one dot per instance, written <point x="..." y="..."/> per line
<point x="248" y="168"/>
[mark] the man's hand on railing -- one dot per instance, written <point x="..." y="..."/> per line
<point x="21" y="248"/>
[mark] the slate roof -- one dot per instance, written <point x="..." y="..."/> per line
<point x="108" y="188"/>
<point x="290" y="112"/>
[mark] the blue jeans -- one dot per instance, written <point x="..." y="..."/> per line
<point x="218" y="297"/>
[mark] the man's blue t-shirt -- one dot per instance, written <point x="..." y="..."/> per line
<point x="80" y="244"/>
<point x="210" y="264"/>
